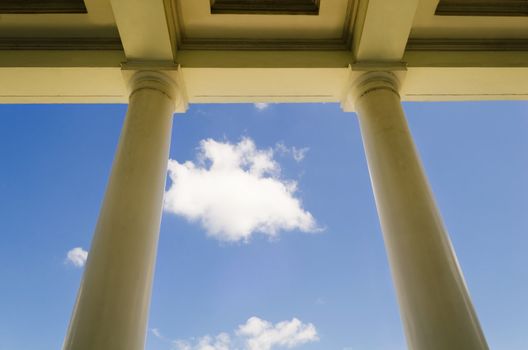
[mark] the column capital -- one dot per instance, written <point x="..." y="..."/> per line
<point x="367" y="82"/>
<point x="167" y="82"/>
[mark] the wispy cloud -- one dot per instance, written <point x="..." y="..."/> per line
<point x="156" y="332"/>
<point x="261" y="105"/>
<point x="255" y="334"/>
<point x="77" y="257"/>
<point x="298" y="154"/>
<point x="234" y="191"/>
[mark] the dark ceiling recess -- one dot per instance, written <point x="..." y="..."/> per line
<point x="511" y="8"/>
<point x="265" y="7"/>
<point x="42" y="6"/>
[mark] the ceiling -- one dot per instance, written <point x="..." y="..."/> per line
<point x="192" y="25"/>
<point x="98" y="21"/>
<point x="277" y="56"/>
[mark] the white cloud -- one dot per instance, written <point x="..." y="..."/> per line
<point x="221" y="342"/>
<point x="77" y="257"/>
<point x="256" y="334"/>
<point x="234" y="191"/>
<point x="261" y="105"/>
<point x="262" y="335"/>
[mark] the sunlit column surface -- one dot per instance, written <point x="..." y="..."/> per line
<point x="112" y="304"/>
<point x="435" y="306"/>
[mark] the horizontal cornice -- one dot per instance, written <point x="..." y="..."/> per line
<point x="421" y="44"/>
<point x="265" y="44"/>
<point x="467" y="45"/>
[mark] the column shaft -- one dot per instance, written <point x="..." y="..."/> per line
<point x="112" y="304"/>
<point x="435" y="306"/>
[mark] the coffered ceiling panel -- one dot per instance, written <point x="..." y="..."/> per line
<point x="326" y="21"/>
<point x="57" y="19"/>
<point x="484" y="21"/>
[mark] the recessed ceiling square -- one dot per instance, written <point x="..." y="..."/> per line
<point x="517" y="8"/>
<point x="42" y="6"/>
<point x="270" y="7"/>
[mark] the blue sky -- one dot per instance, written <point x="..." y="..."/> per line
<point x="55" y="160"/>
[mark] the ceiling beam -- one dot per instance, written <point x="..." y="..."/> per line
<point x="231" y="77"/>
<point x="382" y="29"/>
<point x="144" y="30"/>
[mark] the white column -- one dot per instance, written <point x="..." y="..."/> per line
<point x="112" y="304"/>
<point x="435" y="306"/>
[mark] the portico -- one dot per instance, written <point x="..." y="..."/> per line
<point x="158" y="56"/>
